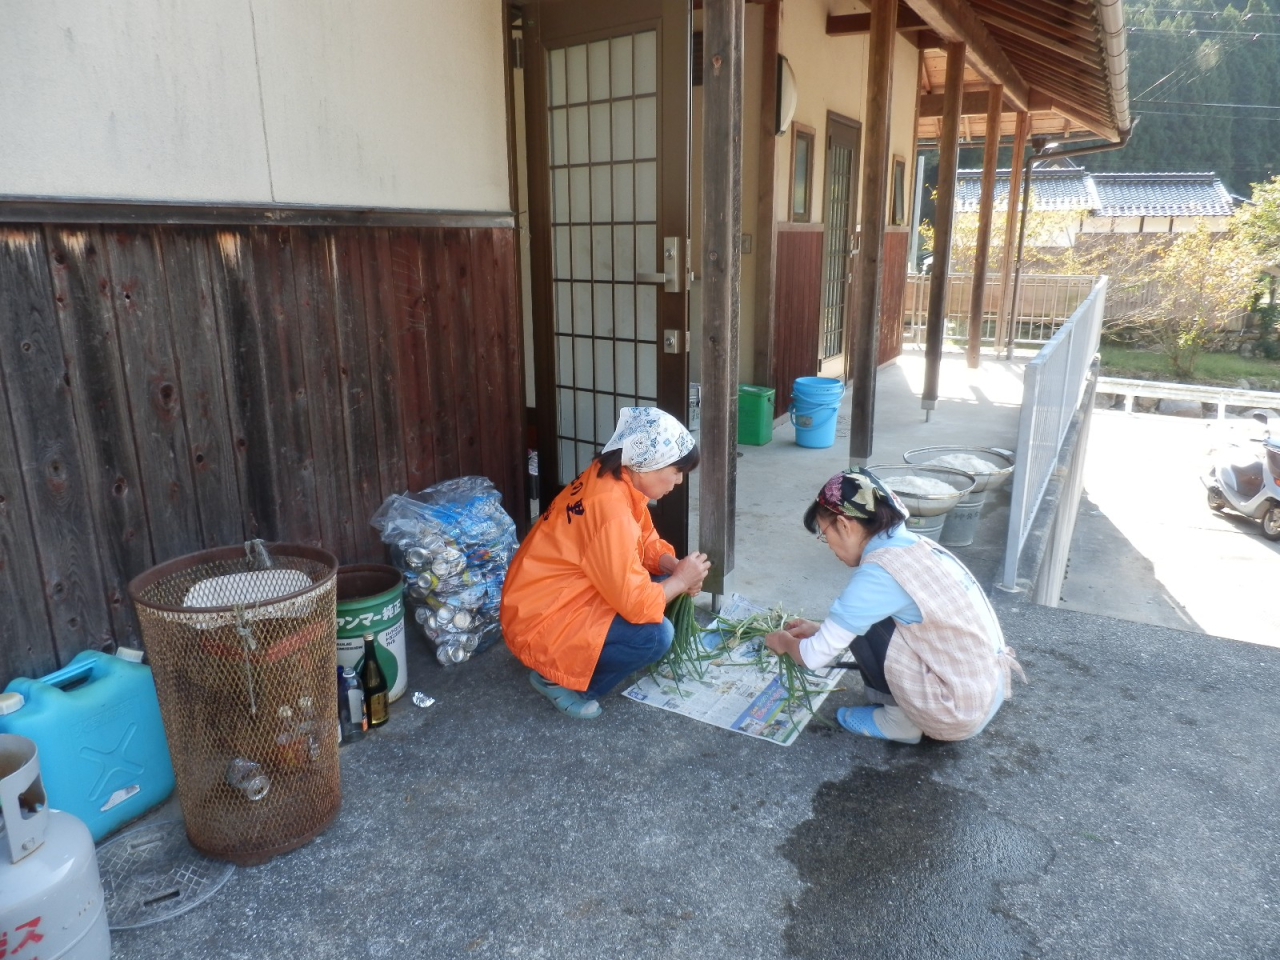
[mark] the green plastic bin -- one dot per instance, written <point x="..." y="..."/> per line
<point x="755" y="415"/>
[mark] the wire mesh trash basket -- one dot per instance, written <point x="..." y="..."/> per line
<point x="243" y="647"/>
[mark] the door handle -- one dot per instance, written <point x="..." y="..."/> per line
<point x="670" y="277"/>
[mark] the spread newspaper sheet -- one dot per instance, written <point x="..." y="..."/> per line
<point x="737" y="692"/>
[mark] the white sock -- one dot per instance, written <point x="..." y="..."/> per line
<point x="893" y="723"/>
<point x="872" y="695"/>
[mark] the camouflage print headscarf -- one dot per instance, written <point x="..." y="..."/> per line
<point x="854" y="494"/>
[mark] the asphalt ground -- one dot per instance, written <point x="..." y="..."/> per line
<point x="1123" y="804"/>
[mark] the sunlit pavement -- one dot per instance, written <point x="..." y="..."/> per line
<point x="1123" y="804"/>
<point x="1148" y="548"/>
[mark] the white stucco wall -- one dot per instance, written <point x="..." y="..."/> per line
<point x="380" y="103"/>
<point x="831" y="75"/>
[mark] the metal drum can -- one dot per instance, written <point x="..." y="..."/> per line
<point x="51" y="897"/>
<point x="371" y="600"/>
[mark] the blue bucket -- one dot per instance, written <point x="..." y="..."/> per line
<point x="815" y="402"/>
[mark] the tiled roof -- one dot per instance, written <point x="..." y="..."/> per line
<point x="1108" y="194"/>
<point x="1050" y="190"/>
<point x="1161" y="195"/>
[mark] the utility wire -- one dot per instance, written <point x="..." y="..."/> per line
<point x="1202" y="103"/>
<point x="1177" y="11"/>
<point x="1197" y="32"/>
<point x="1210" y="116"/>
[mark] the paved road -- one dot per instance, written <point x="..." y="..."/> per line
<point x="1148" y="549"/>
<point x="1122" y="805"/>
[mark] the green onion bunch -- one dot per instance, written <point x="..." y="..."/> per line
<point x="687" y="656"/>
<point x="795" y="679"/>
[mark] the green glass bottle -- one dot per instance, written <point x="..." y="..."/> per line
<point x="374" y="682"/>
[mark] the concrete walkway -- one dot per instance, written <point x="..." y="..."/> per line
<point x="1148" y="548"/>
<point x="778" y="561"/>
<point x="1124" y="804"/>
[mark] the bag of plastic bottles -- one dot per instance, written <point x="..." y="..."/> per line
<point x="453" y="542"/>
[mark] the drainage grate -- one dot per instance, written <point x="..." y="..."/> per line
<point x="151" y="873"/>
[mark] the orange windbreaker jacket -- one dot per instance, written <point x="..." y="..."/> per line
<point x="588" y="557"/>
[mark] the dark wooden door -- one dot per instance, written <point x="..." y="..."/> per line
<point x="839" y="243"/>
<point x="607" y="91"/>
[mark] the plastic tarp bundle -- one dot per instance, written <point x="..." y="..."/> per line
<point x="453" y="542"/>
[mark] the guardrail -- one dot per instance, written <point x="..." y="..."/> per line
<point x="1053" y="384"/>
<point x="1223" y="396"/>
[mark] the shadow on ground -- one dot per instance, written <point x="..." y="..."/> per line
<point x="895" y="850"/>
<point x="1106" y="572"/>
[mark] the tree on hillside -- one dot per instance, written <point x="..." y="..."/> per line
<point x="1046" y="248"/>
<point x="1202" y="281"/>
<point x="1259" y="220"/>
<point x="1202" y="80"/>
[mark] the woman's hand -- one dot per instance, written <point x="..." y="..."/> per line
<point x="686" y="576"/>
<point x="782" y="641"/>
<point x="801" y="628"/>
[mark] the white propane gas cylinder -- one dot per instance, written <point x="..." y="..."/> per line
<point x="51" y="900"/>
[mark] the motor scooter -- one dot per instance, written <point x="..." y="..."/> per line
<point x="1246" y="478"/>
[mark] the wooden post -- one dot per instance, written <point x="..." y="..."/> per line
<point x="990" y="158"/>
<point x="1003" y="314"/>
<point x="766" y="215"/>
<point x="722" y="35"/>
<point x="948" y="151"/>
<point x="865" y="339"/>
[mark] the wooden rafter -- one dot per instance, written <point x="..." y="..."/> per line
<point x="1045" y="74"/>
<point x="972" y="104"/>
<point x="859" y="24"/>
<point x="1103" y="128"/>
<point x="955" y="21"/>
<point x="924" y="40"/>
<point x="1073" y="51"/>
<point x="1060" y="24"/>
<point x="1055" y="47"/>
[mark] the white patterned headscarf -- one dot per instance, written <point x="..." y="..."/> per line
<point x="649" y="439"/>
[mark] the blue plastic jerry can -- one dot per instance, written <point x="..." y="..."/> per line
<point x="96" y="722"/>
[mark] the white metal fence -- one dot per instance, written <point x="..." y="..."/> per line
<point x="1052" y="386"/>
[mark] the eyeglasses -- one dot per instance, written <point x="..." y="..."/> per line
<point x="821" y="535"/>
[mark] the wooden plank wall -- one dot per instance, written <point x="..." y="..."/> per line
<point x="893" y="285"/>
<point x="171" y="388"/>
<point x="798" y="305"/>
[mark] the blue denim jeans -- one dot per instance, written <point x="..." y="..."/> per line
<point x="628" y="647"/>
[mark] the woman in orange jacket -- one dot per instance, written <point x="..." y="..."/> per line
<point x="583" y="599"/>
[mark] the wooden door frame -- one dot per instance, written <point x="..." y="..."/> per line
<point x="854" y="199"/>
<point x="593" y="22"/>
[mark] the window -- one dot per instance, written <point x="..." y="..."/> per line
<point x="802" y="138"/>
<point x="898" y="199"/>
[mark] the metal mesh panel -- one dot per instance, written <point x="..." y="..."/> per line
<point x="245" y="662"/>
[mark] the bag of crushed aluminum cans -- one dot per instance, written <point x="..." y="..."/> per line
<point x="453" y="542"/>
